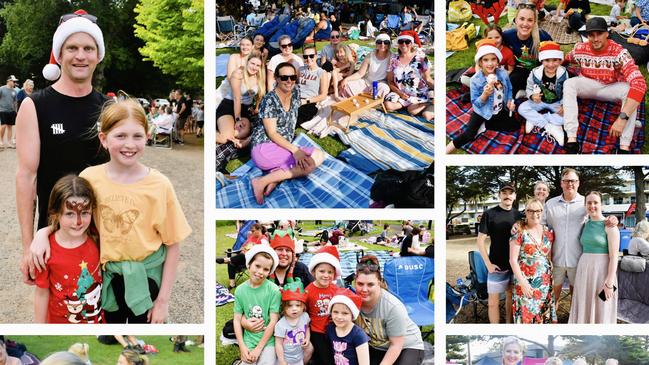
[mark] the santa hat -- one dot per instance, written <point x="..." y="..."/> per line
<point x="549" y="49"/>
<point x="262" y="247"/>
<point x="485" y="47"/>
<point x="293" y="290"/>
<point x="350" y="299"/>
<point x="76" y="24"/>
<point x="411" y="35"/>
<point x="282" y="241"/>
<point x="326" y="255"/>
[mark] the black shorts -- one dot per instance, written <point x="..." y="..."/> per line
<point x="8" y="118"/>
<point x="227" y="108"/>
<point x="200" y="123"/>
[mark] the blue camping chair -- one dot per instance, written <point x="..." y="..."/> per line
<point x="625" y="238"/>
<point x="478" y="276"/>
<point x="236" y="248"/>
<point x="393" y="24"/>
<point x="411" y="279"/>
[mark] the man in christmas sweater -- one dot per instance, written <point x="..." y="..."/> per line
<point x="608" y="73"/>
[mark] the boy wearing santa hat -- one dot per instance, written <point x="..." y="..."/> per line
<point x="545" y="93"/>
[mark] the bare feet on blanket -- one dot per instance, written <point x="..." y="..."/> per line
<point x="269" y="189"/>
<point x="258" y="190"/>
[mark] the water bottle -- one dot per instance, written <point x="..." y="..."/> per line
<point x="375" y="89"/>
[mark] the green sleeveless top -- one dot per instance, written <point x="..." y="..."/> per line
<point x="593" y="237"/>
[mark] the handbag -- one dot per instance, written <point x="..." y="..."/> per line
<point x="630" y="263"/>
<point x="459" y="11"/>
<point x="456" y="39"/>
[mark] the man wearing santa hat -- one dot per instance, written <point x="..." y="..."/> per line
<point x="55" y="125"/>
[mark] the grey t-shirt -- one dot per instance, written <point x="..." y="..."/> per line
<point x="7" y="99"/>
<point x="328" y="52"/>
<point x="293" y="337"/>
<point x="389" y="318"/>
<point x="310" y="82"/>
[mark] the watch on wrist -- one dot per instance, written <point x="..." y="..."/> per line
<point x="624" y="116"/>
<point x="237" y="119"/>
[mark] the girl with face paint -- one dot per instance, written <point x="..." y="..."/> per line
<point x="68" y="289"/>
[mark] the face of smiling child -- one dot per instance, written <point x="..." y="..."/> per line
<point x="324" y="275"/>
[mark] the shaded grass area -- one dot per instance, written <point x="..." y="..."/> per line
<point x="464" y="59"/>
<point x="227" y="354"/>
<point x="101" y="354"/>
<point x="332" y="145"/>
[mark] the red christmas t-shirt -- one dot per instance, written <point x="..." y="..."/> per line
<point x="73" y="276"/>
<point x="317" y="303"/>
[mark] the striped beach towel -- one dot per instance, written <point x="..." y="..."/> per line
<point x="348" y="260"/>
<point x="334" y="184"/>
<point x="391" y="141"/>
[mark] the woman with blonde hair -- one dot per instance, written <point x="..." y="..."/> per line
<point x="594" y="298"/>
<point x="524" y="42"/>
<point x="132" y="357"/>
<point x="344" y="65"/>
<point x="639" y="244"/>
<point x="243" y="92"/>
<point x="513" y="350"/>
<point x="238" y="60"/>
<point x="530" y="249"/>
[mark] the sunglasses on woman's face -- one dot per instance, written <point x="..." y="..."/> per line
<point x="387" y="43"/>
<point x="335" y="36"/>
<point x="526" y="6"/>
<point x="404" y="41"/>
<point x="287" y="77"/>
<point x="286" y="45"/>
<point x="307" y="56"/>
<point x="67" y="17"/>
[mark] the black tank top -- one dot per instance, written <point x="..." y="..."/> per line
<point x="68" y="131"/>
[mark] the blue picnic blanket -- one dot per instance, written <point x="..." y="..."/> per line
<point x="334" y="184"/>
<point x="348" y="260"/>
<point x="222" y="64"/>
<point x="389" y="141"/>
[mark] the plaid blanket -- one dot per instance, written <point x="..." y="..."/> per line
<point x="348" y="260"/>
<point x="392" y="141"/>
<point x="333" y="184"/>
<point x="595" y="119"/>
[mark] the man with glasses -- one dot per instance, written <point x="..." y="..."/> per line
<point x="327" y="53"/>
<point x="287" y="55"/>
<point x="313" y="84"/>
<point x="497" y="223"/>
<point x="53" y="124"/>
<point x="607" y="72"/>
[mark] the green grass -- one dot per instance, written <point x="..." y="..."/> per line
<point x="464" y="59"/>
<point x="224" y="313"/>
<point x="331" y="145"/>
<point x="101" y="354"/>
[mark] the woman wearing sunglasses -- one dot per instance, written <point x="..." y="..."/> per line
<point x="530" y="249"/>
<point x="313" y="84"/>
<point x="524" y="39"/>
<point x="409" y="80"/>
<point x="287" y="55"/>
<point x="373" y="68"/>
<point x="394" y="337"/>
<point x="273" y="150"/>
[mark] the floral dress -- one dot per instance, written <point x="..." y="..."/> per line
<point x="410" y="78"/>
<point x="536" y="267"/>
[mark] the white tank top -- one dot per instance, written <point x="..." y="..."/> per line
<point x="247" y="95"/>
<point x="378" y="69"/>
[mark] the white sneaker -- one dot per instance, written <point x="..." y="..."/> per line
<point x="528" y="127"/>
<point x="482" y="128"/>
<point x="556" y="131"/>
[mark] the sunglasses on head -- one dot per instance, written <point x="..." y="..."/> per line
<point x="287" y="77"/>
<point x="286" y="45"/>
<point x="526" y="6"/>
<point x="67" y="17"/>
<point x="386" y="42"/>
<point x="306" y="56"/>
<point x="368" y="266"/>
<point x="335" y="36"/>
<point x="404" y="41"/>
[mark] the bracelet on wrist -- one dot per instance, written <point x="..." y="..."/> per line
<point x="609" y="287"/>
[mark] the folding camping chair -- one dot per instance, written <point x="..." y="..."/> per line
<point x="478" y="275"/>
<point x="411" y="280"/>
<point x="164" y="138"/>
<point x="393" y="25"/>
<point x="427" y="31"/>
<point x="228" y="30"/>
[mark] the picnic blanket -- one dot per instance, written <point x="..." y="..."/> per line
<point x="390" y="141"/>
<point x="559" y="31"/>
<point x="348" y="260"/>
<point x="334" y="184"/>
<point x="223" y="295"/>
<point x="222" y="65"/>
<point x="595" y="119"/>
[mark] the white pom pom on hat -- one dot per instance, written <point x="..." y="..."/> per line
<point x="77" y="24"/>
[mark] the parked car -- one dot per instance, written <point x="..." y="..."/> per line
<point x="144" y="102"/>
<point x="458" y="229"/>
<point x="159" y="102"/>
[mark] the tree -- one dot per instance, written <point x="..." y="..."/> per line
<point x="455" y="348"/>
<point x="627" y="350"/>
<point x="172" y="31"/>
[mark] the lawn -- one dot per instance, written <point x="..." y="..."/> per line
<point x="101" y="354"/>
<point x="224" y="313"/>
<point x="331" y="145"/>
<point x="464" y="58"/>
